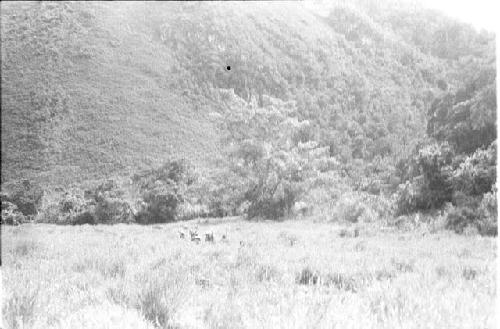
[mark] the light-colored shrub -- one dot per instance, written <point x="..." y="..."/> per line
<point x="362" y="207"/>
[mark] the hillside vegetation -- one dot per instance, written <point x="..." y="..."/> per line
<point x="272" y="106"/>
<point x="85" y="94"/>
<point x="90" y="89"/>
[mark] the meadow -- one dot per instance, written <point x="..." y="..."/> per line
<point x="292" y="274"/>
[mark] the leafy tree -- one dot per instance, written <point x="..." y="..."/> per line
<point x="270" y="152"/>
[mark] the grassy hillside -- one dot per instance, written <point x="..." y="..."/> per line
<point x="84" y="96"/>
<point x="97" y="89"/>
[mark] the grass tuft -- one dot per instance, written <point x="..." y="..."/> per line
<point x="160" y="296"/>
<point x="307" y="277"/>
<point x="267" y="272"/>
<point x="25" y="248"/>
<point x="342" y="281"/>
<point x="20" y="308"/>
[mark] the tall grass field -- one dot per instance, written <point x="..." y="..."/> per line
<point x="261" y="275"/>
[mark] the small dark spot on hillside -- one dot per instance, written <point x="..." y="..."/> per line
<point x="228" y="68"/>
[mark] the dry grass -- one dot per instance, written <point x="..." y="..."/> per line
<point x="292" y="274"/>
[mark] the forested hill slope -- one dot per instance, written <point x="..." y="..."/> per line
<point x="99" y="88"/>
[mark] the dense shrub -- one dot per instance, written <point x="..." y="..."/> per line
<point x="477" y="173"/>
<point x="50" y="211"/>
<point x="436" y="176"/>
<point x="26" y="195"/>
<point x="188" y="210"/>
<point x="152" y="196"/>
<point x="461" y="217"/>
<point x="409" y="198"/>
<point x="107" y="204"/>
<point x="475" y="205"/>
<point x="105" y="189"/>
<point x="109" y="211"/>
<point x="478" y="213"/>
<point x="11" y="215"/>
<point x="272" y="202"/>
<point x="162" y="204"/>
<point x="220" y="193"/>
<point x="163" y="190"/>
<point x="85" y="217"/>
<point x="428" y="184"/>
<point x="488" y="208"/>
<point x="61" y="208"/>
<point x="72" y="201"/>
<point x="99" y="204"/>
